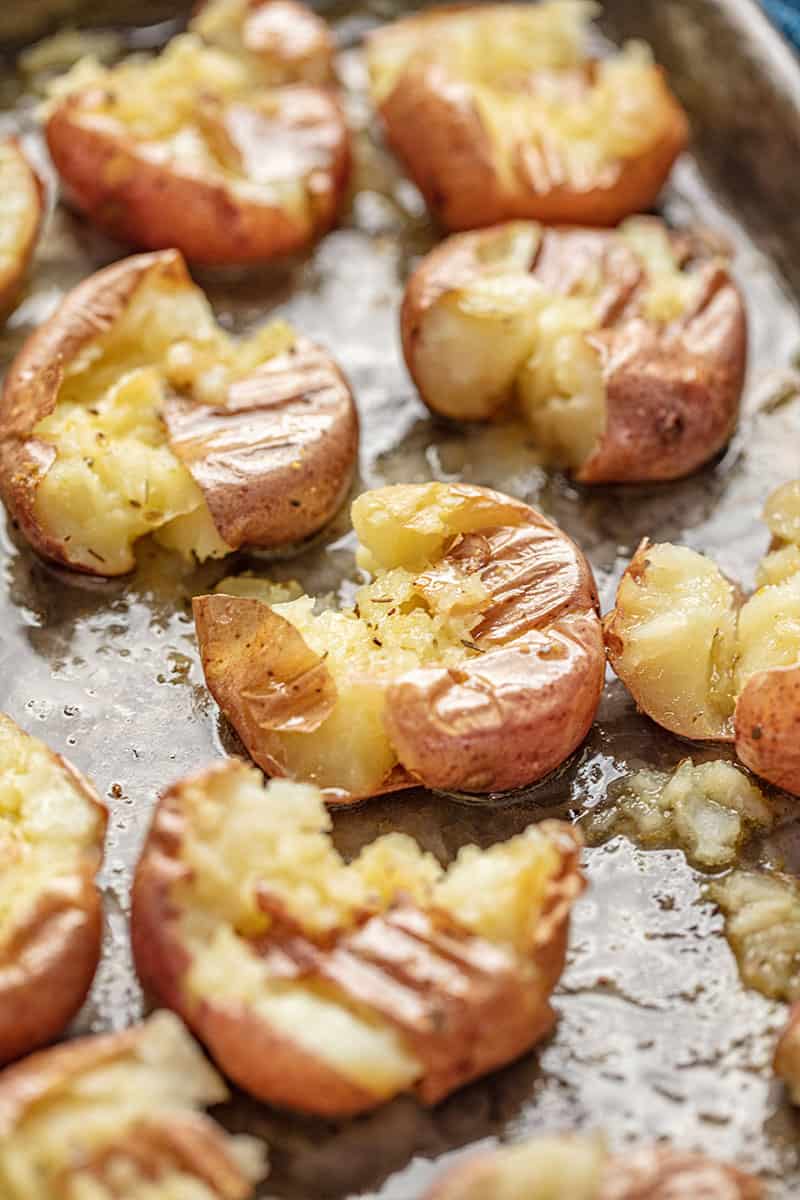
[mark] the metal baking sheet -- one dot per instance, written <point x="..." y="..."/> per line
<point x="657" y="1038"/>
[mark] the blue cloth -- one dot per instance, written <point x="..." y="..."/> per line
<point x="786" y="15"/>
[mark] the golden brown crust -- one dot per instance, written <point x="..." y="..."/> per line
<point x="786" y="1061"/>
<point x="496" y="722"/>
<point x="13" y="274"/>
<point x="486" y="1007"/>
<point x="433" y="124"/>
<point x="294" y="417"/>
<point x="47" y="965"/>
<point x="767" y="723"/>
<point x="672" y="391"/>
<point x="110" y="177"/>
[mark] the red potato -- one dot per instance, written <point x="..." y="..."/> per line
<point x="624" y="351"/>
<point x="707" y="663"/>
<point x="131" y="412"/>
<point x="330" y="988"/>
<point x="118" y="1117"/>
<point x="52" y="829"/>
<point x="472" y="662"/>
<point x="20" y="219"/>
<point x="208" y="149"/>
<point x="580" y="1168"/>
<point x="499" y="112"/>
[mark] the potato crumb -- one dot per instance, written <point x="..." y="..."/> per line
<point x="762" y="924"/>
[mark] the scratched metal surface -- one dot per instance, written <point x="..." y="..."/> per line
<point x="656" y="1038"/>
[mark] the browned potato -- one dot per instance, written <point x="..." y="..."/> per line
<point x="52" y="827"/>
<point x="23" y="204"/>
<point x="624" y="351"/>
<point x="580" y="1168"/>
<point x="328" y="987"/>
<point x="706" y="663"/>
<point x="787" y="1055"/>
<point x="132" y="412"/>
<point x="198" y="148"/>
<point x="499" y="112"/>
<point x="473" y="661"/>
<point x="118" y="1118"/>
<point x="290" y="42"/>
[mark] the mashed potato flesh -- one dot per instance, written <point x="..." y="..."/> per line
<point x="243" y="843"/>
<point x="47" y="825"/>
<point x="762" y="924"/>
<point x="115" y="478"/>
<point x="20" y="208"/>
<point x="97" y="1109"/>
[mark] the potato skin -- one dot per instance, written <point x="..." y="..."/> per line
<point x="432" y="123"/>
<point x="786" y="1061"/>
<point x="497" y="722"/>
<point x="47" y="965"/>
<point x="296" y="407"/>
<point x="767" y="723"/>
<point x="672" y="392"/>
<point x="12" y="277"/>
<point x="649" y="1173"/>
<point x="153" y="205"/>
<point x="482" y="1013"/>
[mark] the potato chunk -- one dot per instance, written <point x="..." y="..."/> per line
<point x="762" y="923"/>
<point x="498" y="111"/>
<point x="706" y="663"/>
<point x="624" y="352"/>
<point x="287" y="40"/>
<point x="21" y="218"/>
<point x="331" y="987"/>
<point x="114" y="1116"/>
<point x="52" y="827"/>
<point x="132" y="412"/>
<point x="452" y="669"/>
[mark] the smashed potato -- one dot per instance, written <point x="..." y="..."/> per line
<point x="708" y="809"/>
<point x="580" y="1168"/>
<point x="21" y="217"/>
<point x="762" y="924"/>
<point x="52" y="829"/>
<point x="623" y="351"/>
<point x="704" y="661"/>
<point x="198" y="148"/>
<point x="131" y="412"/>
<point x="330" y="988"/>
<point x="499" y="112"/>
<point x="472" y="661"/>
<point x="107" y="1118"/>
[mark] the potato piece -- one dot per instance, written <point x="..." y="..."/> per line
<point x="762" y="924"/>
<point x="107" y="1117"/>
<point x="499" y="112"/>
<point x="194" y="149"/>
<point x="23" y="207"/>
<point x="52" y="828"/>
<point x="579" y="1167"/>
<point x="624" y="352"/>
<point x="132" y="412"/>
<point x="706" y="663"/>
<point x="470" y="662"/>
<point x="289" y="42"/>
<point x="328" y="987"/>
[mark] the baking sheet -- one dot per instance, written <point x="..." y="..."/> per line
<point x="657" y="1039"/>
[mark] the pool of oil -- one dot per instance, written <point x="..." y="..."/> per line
<point x="656" y="1038"/>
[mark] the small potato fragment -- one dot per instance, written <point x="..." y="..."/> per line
<point x="623" y="351"/>
<point x="330" y="988"/>
<point x="498" y="111"/>
<point x="131" y="412"/>
<point x="288" y="40"/>
<point x="704" y="661"/>
<point x="52" y="828"/>
<point x="762" y="924"/>
<point x="21" y="213"/>
<point x="199" y="149"/>
<point x="580" y="1168"/>
<point x="119" y="1116"/>
<point x="471" y="662"/>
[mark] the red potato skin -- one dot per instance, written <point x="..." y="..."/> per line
<point x="274" y="463"/>
<point x="111" y="178"/>
<point x="767" y="721"/>
<point x="649" y="1173"/>
<point x="672" y="392"/>
<point x="786" y="1061"/>
<point x="485" y="1010"/>
<point x="431" y="121"/>
<point x="48" y="964"/>
<point x="12" y="278"/>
